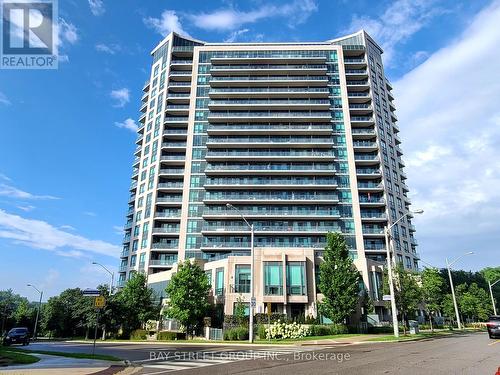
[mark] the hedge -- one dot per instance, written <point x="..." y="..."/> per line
<point x="168" y="336"/>
<point x="328" y="329"/>
<point x="238" y="333"/>
<point x="139" y="334"/>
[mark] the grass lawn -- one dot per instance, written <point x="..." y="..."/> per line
<point x="14" y="357"/>
<point x="103" y="357"/>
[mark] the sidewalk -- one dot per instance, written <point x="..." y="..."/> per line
<point x="341" y="340"/>
<point x="50" y="364"/>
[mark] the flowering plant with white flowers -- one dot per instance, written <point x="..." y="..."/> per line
<point x="282" y="330"/>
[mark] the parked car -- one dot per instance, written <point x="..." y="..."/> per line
<point x="18" y="335"/>
<point x="494" y="326"/>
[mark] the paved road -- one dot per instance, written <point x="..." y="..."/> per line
<point x="470" y="353"/>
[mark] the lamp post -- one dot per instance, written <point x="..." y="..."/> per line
<point x="491" y="294"/>
<point x="448" y="265"/>
<point x="38" y="310"/>
<point x="387" y="233"/>
<point x="112" y="276"/>
<point x="252" y="298"/>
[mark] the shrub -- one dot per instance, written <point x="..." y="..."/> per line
<point x="282" y="330"/>
<point x="261" y="331"/>
<point x="385" y="329"/>
<point x="167" y="336"/>
<point x="139" y="334"/>
<point x="319" y="330"/>
<point x="338" y="329"/>
<point x="262" y="318"/>
<point x="238" y="333"/>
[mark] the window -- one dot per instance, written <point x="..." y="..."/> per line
<point x="135" y="245"/>
<point x="133" y="259"/>
<point x="242" y="278"/>
<point x="273" y="278"/>
<point x="136" y="230"/>
<point x="219" y="281"/>
<point x="400" y="259"/>
<point x="142" y="259"/>
<point x="408" y="262"/>
<point x="295" y="278"/>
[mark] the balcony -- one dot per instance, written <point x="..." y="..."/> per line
<point x="270" y="183"/>
<point x="171" y="186"/>
<point x="262" y="142"/>
<point x="181" y="120"/>
<point x="362" y="120"/>
<point x="365" y="201"/>
<point x="213" y="155"/>
<point x="290" y="116"/>
<point x="272" y="211"/>
<point x="366" y="159"/>
<point x="268" y="69"/>
<point x="370" y="186"/>
<point x="270" y="103"/>
<point x="167" y="262"/>
<point x="356" y="73"/>
<point x="168" y="214"/>
<point x="171" y="171"/>
<point x="165" y="245"/>
<point x="165" y="230"/>
<point x="273" y="290"/>
<point x="174" y="145"/>
<point x="361" y="146"/>
<point x="373" y="216"/>
<point x="216" y="229"/>
<point x="123" y="268"/>
<point x="290" y="80"/>
<point x="368" y="172"/>
<point x="271" y="57"/>
<point x="270" y="169"/>
<point x="265" y="129"/>
<point x="276" y="197"/>
<point x="239" y="288"/>
<point x="268" y="92"/>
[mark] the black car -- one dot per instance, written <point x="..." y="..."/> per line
<point x="494" y="326"/>
<point x="19" y="335"/>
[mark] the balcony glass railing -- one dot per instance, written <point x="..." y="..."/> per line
<point x="171" y="171"/>
<point x="360" y="106"/>
<point x="173" y="144"/>
<point x="167" y="185"/>
<point x="271" y="181"/>
<point x="292" y="126"/>
<point x="361" y="94"/>
<point x="356" y="71"/>
<point x="165" y="245"/>
<point x="371" y="200"/>
<point x="274" y="210"/>
<point x="168" y="214"/>
<point x="367" y="171"/>
<point x="267" y="66"/>
<point x="369" y="185"/>
<point x="373" y="230"/>
<point x="216" y="90"/>
<point x="163" y="262"/>
<point x="364" y="144"/>
<point x="269" y="195"/>
<point x="324" y="114"/>
<point x="173" y="157"/>
<point x="166" y="230"/>
<point x="175" y="131"/>
<point x="270" y="102"/>
<point x="239" y="288"/>
<point x="291" y="153"/>
<point x="356" y="83"/>
<point x="273" y="228"/>
<point x="296" y="290"/>
<point x="273" y="290"/>
<point x="271" y="167"/>
<point x="169" y="199"/>
<point x="176" y="119"/>
<point x="270" y="139"/>
<point x="363" y="131"/>
<point x="361" y="118"/>
<point x="373" y="215"/>
<point x="366" y="157"/>
<point x="177" y="106"/>
<point x="271" y="78"/>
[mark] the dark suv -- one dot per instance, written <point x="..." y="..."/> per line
<point x="494" y="326"/>
<point x="19" y="335"/>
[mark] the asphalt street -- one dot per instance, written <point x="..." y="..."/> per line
<point x="472" y="353"/>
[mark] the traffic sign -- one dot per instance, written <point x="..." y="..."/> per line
<point x="386" y="297"/>
<point x="91" y="293"/>
<point x="99" y="302"/>
<point x="253" y="302"/>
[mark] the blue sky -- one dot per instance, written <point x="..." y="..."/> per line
<point x="66" y="146"/>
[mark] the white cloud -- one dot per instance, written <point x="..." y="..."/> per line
<point x="128" y="124"/>
<point x="399" y="21"/>
<point x="4" y="177"/>
<point x="448" y="108"/>
<point x="67" y="33"/>
<point x="13" y="192"/>
<point x="108" y="48"/>
<point x="39" y="234"/>
<point x="97" y="7"/>
<point x="4" y="100"/>
<point x="26" y="208"/>
<point x="118" y="229"/>
<point x="235" y="35"/>
<point x="168" y="22"/>
<point x="67" y="227"/>
<point x="122" y="97"/>
<point x="90" y="213"/>
<point x="296" y="12"/>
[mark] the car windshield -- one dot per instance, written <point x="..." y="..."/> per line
<point x="18" y="330"/>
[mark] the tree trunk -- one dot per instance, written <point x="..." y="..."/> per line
<point x="430" y="321"/>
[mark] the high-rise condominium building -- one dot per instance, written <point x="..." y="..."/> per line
<point x="300" y="138"/>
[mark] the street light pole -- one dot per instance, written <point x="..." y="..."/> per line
<point x="38" y="310"/>
<point x="252" y="254"/>
<point x="387" y="233"/>
<point x="112" y="276"/>
<point x="491" y="294"/>
<point x="448" y="265"/>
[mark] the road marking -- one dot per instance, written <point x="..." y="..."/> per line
<point x="494" y="342"/>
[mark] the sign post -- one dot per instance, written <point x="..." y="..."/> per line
<point x="269" y="319"/>
<point x="99" y="303"/>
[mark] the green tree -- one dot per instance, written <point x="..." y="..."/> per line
<point x="338" y="280"/>
<point x="188" y="295"/>
<point x="432" y="289"/>
<point x="473" y="302"/>
<point x="493" y="274"/>
<point x="447" y="306"/>
<point x="239" y="312"/>
<point x="136" y="304"/>
<point x="407" y="291"/>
